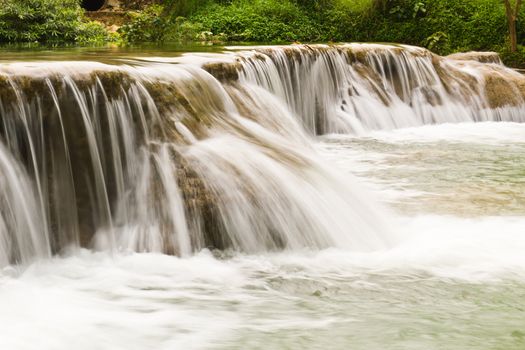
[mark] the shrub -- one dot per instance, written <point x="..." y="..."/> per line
<point x="147" y="26"/>
<point x="153" y="25"/>
<point x="48" y="21"/>
<point x="258" y="20"/>
<point x="443" y="26"/>
<point x="512" y="59"/>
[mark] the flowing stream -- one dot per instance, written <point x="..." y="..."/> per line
<point x="356" y="196"/>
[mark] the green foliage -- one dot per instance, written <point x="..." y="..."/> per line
<point x="184" y="8"/>
<point x="147" y="26"/>
<point x="190" y="31"/>
<point x="153" y="25"/>
<point x="258" y="20"/>
<point x="419" y="9"/>
<point x="441" y="25"/>
<point x="90" y="32"/>
<point x="513" y="59"/>
<point x="438" y="41"/>
<point x="47" y="21"/>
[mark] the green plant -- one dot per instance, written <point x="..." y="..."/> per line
<point x="438" y="42"/>
<point x="514" y="59"/>
<point x="419" y="9"/>
<point x="259" y="20"/>
<point x="147" y="26"/>
<point x="47" y="21"/>
<point x="185" y="8"/>
<point x="443" y="26"/>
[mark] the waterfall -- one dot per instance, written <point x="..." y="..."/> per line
<point x="356" y="88"/>
<point x="177" y="157"/>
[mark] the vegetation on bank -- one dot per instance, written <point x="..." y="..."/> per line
<point x="48" y="21"/>
<point x="444" y="26"/>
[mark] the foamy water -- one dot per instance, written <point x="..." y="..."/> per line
<point x="454" y="277"/>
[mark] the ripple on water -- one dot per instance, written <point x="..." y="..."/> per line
<point x="444" y="169"/>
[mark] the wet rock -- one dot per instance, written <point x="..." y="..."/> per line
<point x="482" y="57"/>
<point x="502" y="90"/>
<point x="223" y="71"/>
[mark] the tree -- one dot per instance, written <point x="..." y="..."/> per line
<point x="512" y="16"/>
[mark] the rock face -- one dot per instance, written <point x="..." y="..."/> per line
<point x="113" y="13"/>
<point x="111" y="19"/>
<point x="482" y="57"/>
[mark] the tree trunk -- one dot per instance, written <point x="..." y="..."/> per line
<point x="512" y="15"/>
<point x="513" y="36"/>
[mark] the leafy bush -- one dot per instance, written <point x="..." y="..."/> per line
<point x="443" y="26"/>
<point x="185" y="8"/>
<point x="50" y="21"/>
<point x="153" y="25"/>
<point x="258" y="20"/>
<point x="460" y="25"/>
<point x="438" y="42"/>
<point x="147" y="26"/>
<point x="513" y="59"/>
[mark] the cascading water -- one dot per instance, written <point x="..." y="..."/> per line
<point x="356" y="88"/>
<point x="24" y="234"/>
<point x="298" y="197"/>
<point x="170" y="158"/>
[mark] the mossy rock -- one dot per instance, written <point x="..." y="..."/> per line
<point x="482" y="57"/>
<point x="502" y="91"/>
<point x="225" y="72"/>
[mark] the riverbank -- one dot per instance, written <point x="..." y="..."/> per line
<point x="443" y="26"/>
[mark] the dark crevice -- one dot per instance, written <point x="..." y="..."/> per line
<point x="93" y="5"/>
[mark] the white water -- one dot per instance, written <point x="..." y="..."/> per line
<point x="446" y="273"/>
<point x="165" y="158"/>
<point x="481" y="133"/>
<point x="355" y="88"/>
<point x="401" y="239"/>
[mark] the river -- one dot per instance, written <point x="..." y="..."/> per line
<point x="339" y="219"/>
